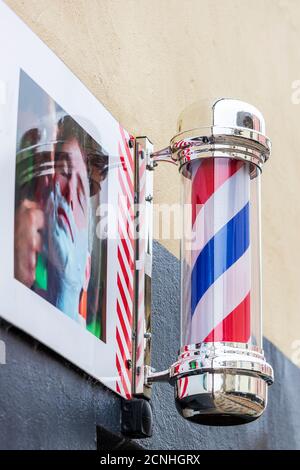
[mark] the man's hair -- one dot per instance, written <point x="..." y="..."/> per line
<point x="95" y="158"/>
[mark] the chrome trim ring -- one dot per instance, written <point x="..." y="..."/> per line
<point x="221" y="142"/>
<point x="222" y="357"/>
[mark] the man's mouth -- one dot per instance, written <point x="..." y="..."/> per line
<point x="62" y="214"/>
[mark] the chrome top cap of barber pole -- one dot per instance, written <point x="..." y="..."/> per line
<point x="221" y="128"/>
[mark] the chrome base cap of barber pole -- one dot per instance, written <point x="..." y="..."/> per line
<point x="221" y="383"/>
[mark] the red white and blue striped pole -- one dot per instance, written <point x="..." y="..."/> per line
<point x="220" y="251"/>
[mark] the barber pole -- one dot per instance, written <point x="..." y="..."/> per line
<point x="221" y="376"/>
<point x="220" y="251"/>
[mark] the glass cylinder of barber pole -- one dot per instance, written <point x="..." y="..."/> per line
<point x="221" y="376"/>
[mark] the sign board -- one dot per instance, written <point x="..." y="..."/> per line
<point x="66" y="199"/>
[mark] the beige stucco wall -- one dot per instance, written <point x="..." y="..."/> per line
<point x="146" y="60"/>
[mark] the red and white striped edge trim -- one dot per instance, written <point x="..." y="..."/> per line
<point x="125" y="272"/>
<point x="139" y="384"/>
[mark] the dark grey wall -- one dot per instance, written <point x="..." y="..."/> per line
<point x="45" y="403"/>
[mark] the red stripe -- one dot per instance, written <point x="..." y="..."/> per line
<point x="126" y="249"/>
<point x="125" y="274"/>
<point x="123" y="326"/>
<point x="235" y="327"/>
<point x="139" y="351"/>
<point x="121" y="347"/>
<point x="125" y="368"/>
<point x="123" y="354"/>
<point x="128" y="203"/>
<point x="127" y="393"/>
<point x="118" y="388"/>
<point x="122" y="159"/>
<point x="125" y="303"/>
<point x="124" y="190"/>
<point x="186" y="381"/>
<point x="125" y="171"/>
<point x="128" y="226"/>
<point x="207" y="176"/>
<point x="128" y="153"/>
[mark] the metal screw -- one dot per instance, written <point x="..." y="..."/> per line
<point x="131" y="143"/>
<point x="151" y="166"/>
<point x="129" y="363"/>
<point x="148" y="198"/>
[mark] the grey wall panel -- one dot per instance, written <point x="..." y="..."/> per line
<point x="45" y="403"/>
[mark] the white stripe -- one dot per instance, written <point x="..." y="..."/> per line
<point x="123" y="341"/>
<point x="127" y="214"/>
<point x="222" y="206"/>
<point x="129" y="248"/>
<point x="124" y="315"/>
<point x="129" y="192"/>
<point x="227" y="292"/>
<point x="186" y="303"/>
<point x="141" y="290"/>
<point x="126" y="263"/>
<point x="126" y="160"/>
<point x="126" y="237"/>
<point x="125" y="372"/>
<point x="122" y="391"/>
<point x="142" y="186"/>
<point x="125" y="289"/>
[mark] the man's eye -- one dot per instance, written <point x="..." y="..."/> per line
<point x="62" y="164"/>
<point x="64" y="170"/>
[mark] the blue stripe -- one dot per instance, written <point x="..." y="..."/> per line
<point x="220" y="252"/>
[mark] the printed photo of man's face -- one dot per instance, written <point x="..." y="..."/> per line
<point x="61" y="178"/>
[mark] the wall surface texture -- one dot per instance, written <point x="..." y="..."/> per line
<point x="146" y="61"/>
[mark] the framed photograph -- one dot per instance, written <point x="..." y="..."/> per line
<point x="66" y="195"/>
